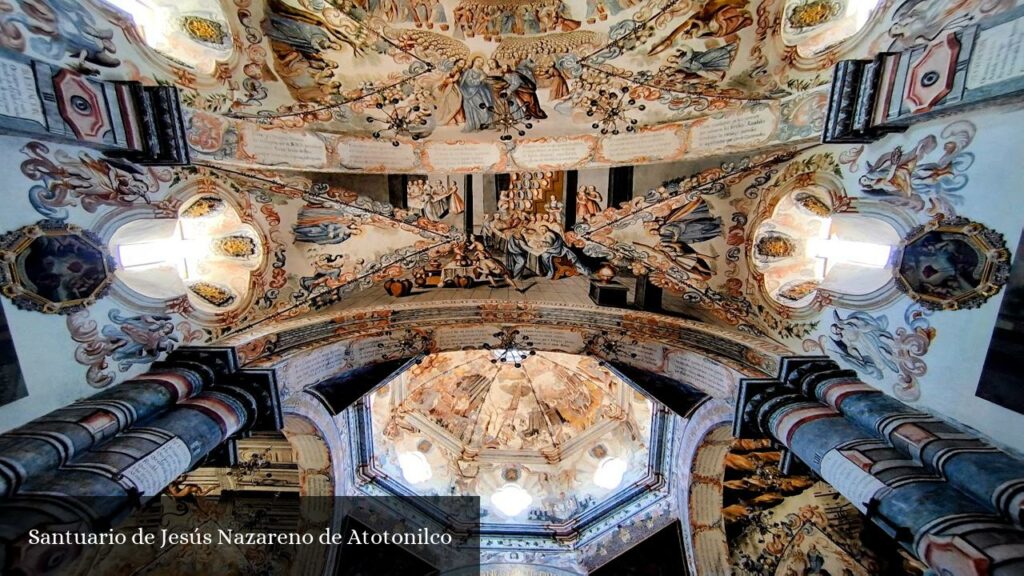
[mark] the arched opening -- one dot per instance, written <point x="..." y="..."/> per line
<point x="813" y="26"/>
<point x="206" y="254"/>
<point x="193" y="33"/>
<point x="805" y="246"/>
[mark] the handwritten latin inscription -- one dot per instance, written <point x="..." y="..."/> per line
<point x="654" y="144"/>
<point x="275" y="147"/>
<point x="445" y="157"/>
<point x="737" y="130"/>
<point x="998" y="55"/>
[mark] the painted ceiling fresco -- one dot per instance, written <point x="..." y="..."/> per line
<point x="436" y="85"/>
<point x="542" y="445"/>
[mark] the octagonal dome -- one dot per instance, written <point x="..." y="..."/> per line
<point x="549" y="447"/>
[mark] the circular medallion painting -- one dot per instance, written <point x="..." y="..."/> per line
<point x="54" y="267"/>
<point x="949" y="264"/>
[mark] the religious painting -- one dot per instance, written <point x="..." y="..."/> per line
<point x="436" y="199"/>
<point x="54" y="268"/>
<point x="528" y="226"/>
<point x="686" y="225"/>
<point x="572" y="434"/>
<point x="785" y="524"/>
<point x="12" y="381"/>
<point x="952" y="264"/>
<point x="589" y="201"/>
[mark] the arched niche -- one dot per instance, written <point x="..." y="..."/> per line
<point x="190" y="34"/>
<point x="815" y="26"/>
<point x="810" y="246"/>
<point x="198" y="260"/>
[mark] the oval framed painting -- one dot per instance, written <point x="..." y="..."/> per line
<point x="952" y="264"/>
<point x="54" y="267"/>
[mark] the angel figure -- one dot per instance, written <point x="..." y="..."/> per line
<point x="709" y="64"/>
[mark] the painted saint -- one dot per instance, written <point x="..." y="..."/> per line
<point x="320" y="224"/>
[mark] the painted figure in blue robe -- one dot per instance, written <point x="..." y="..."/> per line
<point x="554" y="246"/>
<point x="319" y="224"/>
<point x="477" y="97"/>
<point x="709" y="64"/>
<point x="522" y="91"/>
<point x="517" y="254"/>
<point x="691" y="223"/>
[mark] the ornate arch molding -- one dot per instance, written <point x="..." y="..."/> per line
<point x="151" y="60"/>
<point x="341" y="341"/>
<point x="700" y="468"/>
<point x="825" y="177"/>
<point x="108" y="224"/>
<point x="308" y="426"/>
<point x="771" y="20"/>
<point x="305" y="351"/>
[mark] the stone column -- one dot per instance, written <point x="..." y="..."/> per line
<point x="55" y="439"/>
<point x="104" y="485"/>
<point x="946" y="525"/>
<point x="970" y="464"/>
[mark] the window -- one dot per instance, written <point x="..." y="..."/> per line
<point x="805" y="247"/>
<point x="193" y="33"/>
<point x="206" y="254"/>
<point x="816" y="25"/>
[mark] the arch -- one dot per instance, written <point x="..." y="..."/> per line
<point x="305" y="351"/>
<point x="700" y="467"/>
<point x="203" y="254"/>
<point x="193" y="34"/>
<point x="360" y="337"/>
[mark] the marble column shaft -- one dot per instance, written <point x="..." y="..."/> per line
<point x="58" y="437"/>
<point x="975" y="467"/>
<point x="913" y="484"/>
<point x="105" y="484"/>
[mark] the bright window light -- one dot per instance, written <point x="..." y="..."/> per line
<point x="609" y="473"/>
<point x="511" y="499"/>
<point x="181" y="253"/>
<point x="415" y="467"/>
<point x="833" y="250"/>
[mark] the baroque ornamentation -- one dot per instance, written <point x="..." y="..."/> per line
<point x="54" y="267"/>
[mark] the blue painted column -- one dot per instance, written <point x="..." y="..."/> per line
<point x="972" y="465"/>
<point x="104" y="485"/>
<point x="948" y="528"/>
<point x="57" y="438"/>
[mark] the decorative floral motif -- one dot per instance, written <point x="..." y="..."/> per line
<point x="85" y="181"/>
<point x="129" y="341"/>
<point x="813" y="13"/>
<point x="866" y="343"/>
<point x="215" y="294"/>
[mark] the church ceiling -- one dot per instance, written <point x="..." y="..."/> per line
<point x="550" y="446"/>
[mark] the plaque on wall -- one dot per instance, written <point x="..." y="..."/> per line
<point x="54" y="267"/>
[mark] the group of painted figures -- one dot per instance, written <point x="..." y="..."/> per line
<point x="491" y="20"/>
<point x="435" y="200"/>
<point x="478" y="93"/>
